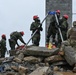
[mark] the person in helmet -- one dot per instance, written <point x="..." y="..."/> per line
<point x="52" y="29"/>
<point x="3" y="45"/>
<point x="14" y="37"/>
<point x="35" y="26"/>
<point x="69" y="46"/>
<point x="71" y="34"/>
<point x="64" y="28"/>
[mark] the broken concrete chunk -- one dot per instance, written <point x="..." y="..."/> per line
<point x="17" y="60"/>
<point x="21" y="56"/>
<point x="22" y="70"/>
<point x="41" y="71"/>
<point x="32" y="59"/>
<point x="54" y="58"/>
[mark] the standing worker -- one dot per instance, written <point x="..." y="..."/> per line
<point x="3" y="48"/>
<point x="35" y="26"/>
<point x="64" y="28"/>
<point x="52" y="29"/>
<point x="14" y="37"/>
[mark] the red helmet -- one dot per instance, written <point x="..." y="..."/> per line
<point x="3" y="36"/>
<point x="35" y="17"/>
<point x="22" y="33"/>
<point x="58" y="11"/>
<point x="65" y="16"/>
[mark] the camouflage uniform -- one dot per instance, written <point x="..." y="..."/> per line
<point x="63" y="27"/>
<point x="52" y="29"/>
<point x="33" y="28"/>
<point x="3" y="47"/>
<point x="72" y="35"/>
<point x="13" y="39"/>
<point x="69" y="47"/>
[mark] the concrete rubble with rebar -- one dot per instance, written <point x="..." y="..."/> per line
<point x="35" y="61"/>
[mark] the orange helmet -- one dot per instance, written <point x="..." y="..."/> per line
<point x="35" y="17"/>
<point x="65" y="16"/>
<point x="3" y="36"/>
<point x="58" y="11"/>
<point x="22" y="33"/>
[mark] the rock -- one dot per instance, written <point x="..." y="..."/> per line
<point x="15" y="68"/>
<point x="17" y="60"/>
<point x="40" y="51"/>
<point x="37" y="65"/>
<point x="64" y="73"/>
<point x="74" y="69"/>
<point x="11" y="73"/>
<point x="22" y="70"/>
<point x="54" y="58"/>
<point x="56" y="68"/>
<point x="61" y="52"/>
<point x="41" y="71"/>
<point x="59" y="63"/>
<point x="32" y="59"/>
<point x="70" y="55"/>
<point x="47" y="64"/>
<point x="21" y="56"/>
<point x="1" y="60"/>
<point x="7" y="67"/>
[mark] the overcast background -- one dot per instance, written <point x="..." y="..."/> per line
<point x="16" y="15"/>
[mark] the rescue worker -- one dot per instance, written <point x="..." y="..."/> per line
<point x="64" y="28"/>
<point x="71" y="34"/>
<point x="36" y="25"/>
<point x="52" y="29"/>
<point x="3" y="48"/>
<point x="14" y="37"/>
<point x="69" y="46"/>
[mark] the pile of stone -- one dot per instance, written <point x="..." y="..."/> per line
<point x="35" y="61"/>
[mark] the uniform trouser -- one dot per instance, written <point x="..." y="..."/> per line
<point x="3" y="51"/>
<point x="59" y="38"/>
<point x="48" y="37"/>
<point x="12" y="44"/>
<point x="36" y="39"/>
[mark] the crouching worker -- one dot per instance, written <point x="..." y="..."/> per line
<point x="3" y="48"/>
<point x="14" y="37"/>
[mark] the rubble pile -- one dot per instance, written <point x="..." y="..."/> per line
<point x="35" y="61"/>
